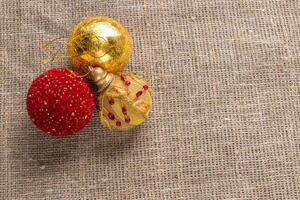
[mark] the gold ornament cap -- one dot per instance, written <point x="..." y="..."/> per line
<point x="101" y="78"/>
<point x="99" y="42"/>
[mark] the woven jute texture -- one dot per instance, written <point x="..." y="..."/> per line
<point x="226" y="117"/>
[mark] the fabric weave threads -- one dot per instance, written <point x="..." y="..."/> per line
<point x="226" y="114"/>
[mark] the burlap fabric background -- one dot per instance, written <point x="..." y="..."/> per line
<point x="226" y="116"/>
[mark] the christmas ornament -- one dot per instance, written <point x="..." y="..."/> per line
<point x="99" y="42"/>
<point x="59" y="102"/>
<point x="99" y="47"/>
<point x="125" y="99"/>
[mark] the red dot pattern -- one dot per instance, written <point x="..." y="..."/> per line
<point x="111" y="116"/>
<point x="118" y="123"/>
<point x="139" y="93"/>
<point x="60" y="103"/>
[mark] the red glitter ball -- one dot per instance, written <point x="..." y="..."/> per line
<point x="60" y="103"/>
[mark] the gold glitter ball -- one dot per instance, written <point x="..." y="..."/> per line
<point x="99" y="42"/>
<point x="126" y="102"/>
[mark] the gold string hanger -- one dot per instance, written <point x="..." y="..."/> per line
<point x="56" y="56"/>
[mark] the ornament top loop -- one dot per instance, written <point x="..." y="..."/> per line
<point x="54" y="54"/>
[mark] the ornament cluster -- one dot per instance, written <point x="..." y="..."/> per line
<point x="60" y="101"/>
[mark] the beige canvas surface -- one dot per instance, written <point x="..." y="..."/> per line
<point x="226" y="117"/>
